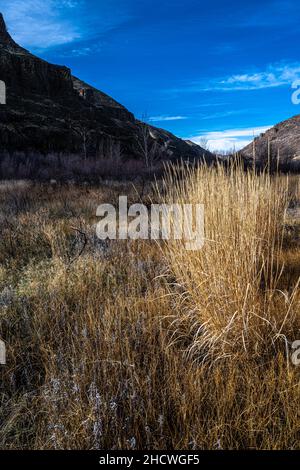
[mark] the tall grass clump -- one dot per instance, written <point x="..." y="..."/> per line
<point x="229" y="299"/>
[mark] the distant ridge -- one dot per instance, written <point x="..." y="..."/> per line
<point x="281" y="142"/>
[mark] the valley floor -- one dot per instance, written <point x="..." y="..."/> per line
<point x="136" y="345"/>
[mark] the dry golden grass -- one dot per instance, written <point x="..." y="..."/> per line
<point x="132" y="345"/>
<point x="231" y="301"/>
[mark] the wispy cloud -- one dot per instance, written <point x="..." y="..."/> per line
<point x="82" y="50"/>
<point x="225" y="114"/>
<point x="44" y="24"/>
<point x="41" y="23"/>
<point x="273" y="76"/>
<point x="228" y="140"/>
<point x="167" y="118"/>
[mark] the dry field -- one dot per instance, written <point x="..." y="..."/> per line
<point x="136" y="345"/>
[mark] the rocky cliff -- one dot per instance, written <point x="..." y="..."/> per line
<point x="50" y="111"/>
<point x="280" y="144"/>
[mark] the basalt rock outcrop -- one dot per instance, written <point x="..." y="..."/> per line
<point x="50" y="111"/>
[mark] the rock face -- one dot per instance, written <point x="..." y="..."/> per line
<point x="280" y="143"/>
<point x="50" y="111"/>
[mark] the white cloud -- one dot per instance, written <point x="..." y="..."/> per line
<point x="228" y="140"/>
<point x="41" y="23"/>
<point x="272" y="77"/>
<point x="82" y="51"/>
<point x="166" y="118"/>
<point x="224" y="114"/>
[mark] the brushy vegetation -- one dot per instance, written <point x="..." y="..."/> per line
<point x="135" y="345"/>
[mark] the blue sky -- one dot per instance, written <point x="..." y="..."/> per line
<point x="219" y="70"/>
